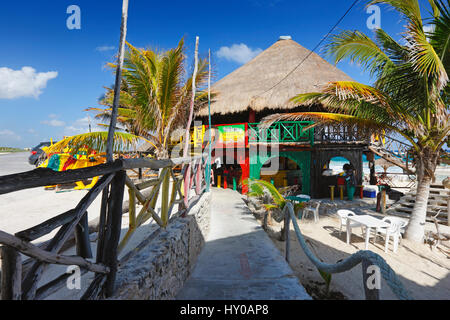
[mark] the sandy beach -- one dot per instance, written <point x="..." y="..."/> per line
<point x="424" y="272"/>
<point x="27" y="208"/>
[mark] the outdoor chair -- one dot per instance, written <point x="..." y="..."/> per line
<point x="343" y="214"/>
<point x="394" y="231"/>
<point x="312" y="210"/>
<point x="401" y="221"/>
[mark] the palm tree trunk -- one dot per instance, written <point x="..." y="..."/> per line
<point x="416" y="227"/>
<point x="426" y="164"/>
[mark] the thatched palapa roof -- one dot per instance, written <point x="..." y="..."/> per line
<point x="244" y="88"/>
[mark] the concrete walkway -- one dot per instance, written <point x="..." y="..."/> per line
<point x="239" y="261"/>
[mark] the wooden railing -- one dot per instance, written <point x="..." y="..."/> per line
<point x="281" y="132"/>
<point x="397" y="152"/>
<point x="298" y="132"/>
<point x="339" y="133"/>
<point x="20" y="280"/>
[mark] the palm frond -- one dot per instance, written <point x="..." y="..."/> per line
<point x="358" y="48"/>
<point x="278" y="199"/>
<point x="123" y="142"/>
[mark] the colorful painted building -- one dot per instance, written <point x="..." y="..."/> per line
<point x="290" y="153"/>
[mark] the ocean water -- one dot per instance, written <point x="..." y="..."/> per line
<point x="337" y="165"/>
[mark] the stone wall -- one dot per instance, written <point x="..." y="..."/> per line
<point x="158" y="271"/>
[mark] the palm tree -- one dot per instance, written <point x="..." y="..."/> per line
<point x="410" y="96"/>
<point x="155" y="94"/>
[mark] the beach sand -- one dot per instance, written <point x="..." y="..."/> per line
<point x="424" y="272"/>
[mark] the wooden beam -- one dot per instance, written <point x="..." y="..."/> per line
<point x="44" y="177"/>
<point x="11" y="286"/>
<point x="142" y="199"/>
<point x="48" y="257"/>
<point x="46" y="227"/>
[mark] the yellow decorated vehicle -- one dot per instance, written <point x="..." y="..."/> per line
<point x="85" y="157"/>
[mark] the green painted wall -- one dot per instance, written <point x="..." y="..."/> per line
<point x="302" y="158"/>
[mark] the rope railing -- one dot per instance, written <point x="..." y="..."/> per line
<point x="365" y="257"/>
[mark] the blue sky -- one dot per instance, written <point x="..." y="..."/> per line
<point x="52" y="73"/>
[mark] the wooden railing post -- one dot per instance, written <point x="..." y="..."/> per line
<point x="114" y="226"/>
<point x="132" y="208"/>
<point x="11" y="288"/>
<point x="82" y="238"/>
<point x="187" y="184"/>
<point x="198" y="180"/>
<point x="287" y="226"/>
<point x="165" y="197"/>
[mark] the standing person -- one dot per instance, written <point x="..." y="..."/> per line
<point x="226" y="173"/>
<point x="350" y="182"/>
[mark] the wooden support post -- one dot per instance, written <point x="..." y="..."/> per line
<point x="287" y="223"/>
<point x="165" y="197"/>
<point x="114" y="226"/>
<point x="101" y="225"/>
<point x="82" y="238"/>
<point x="371" y="293"/>
<point x="117" y="86"/>
<point x="448" y="210"/>
<point x="198" y="178"/>
<point x="187" y="184"/>
<point x="383" y="200"/>
<point x="132" y="209"/>
<point x="11" y="288"/>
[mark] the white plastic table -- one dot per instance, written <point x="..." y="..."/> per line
<point x="367" y="221"/>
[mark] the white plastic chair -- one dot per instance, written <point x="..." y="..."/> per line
<point x="403" y="222"/>
<point x="394" y="231"/>
<point x="343" y="214"/>
<point x="313" y="210"/>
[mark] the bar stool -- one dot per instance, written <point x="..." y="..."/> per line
<point x="332" y="192"/>
<point x="361" y="191"/>
<point x="341" y="191"/>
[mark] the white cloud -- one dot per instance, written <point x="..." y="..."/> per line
<point x="82" y="126"/>
<point x="23" y="83"/>
<point x="429" y="28"/>
<point x="53" y="122"/>
<point x="6" y="132"/>
<point x="239" y="53"/>
<point x="105" y="48"/>
<point x="9" y="135"/>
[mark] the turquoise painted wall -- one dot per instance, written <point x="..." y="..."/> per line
<point x="302" y="158"/>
